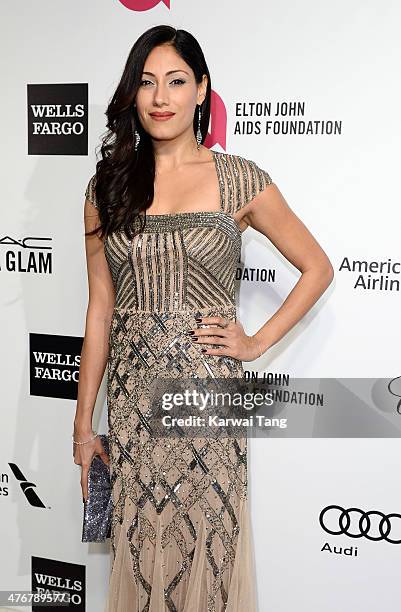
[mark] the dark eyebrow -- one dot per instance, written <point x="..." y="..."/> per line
<point x="169" y="72"/>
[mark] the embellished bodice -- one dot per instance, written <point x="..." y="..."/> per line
<point x="186" y="260"/>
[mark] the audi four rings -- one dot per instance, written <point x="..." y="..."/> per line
<point x="382" y="531"/>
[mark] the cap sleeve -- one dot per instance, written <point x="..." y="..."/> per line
<point x="90" y="192"/>
<point x="252" y="180"/>
<point x="241" y="179"/>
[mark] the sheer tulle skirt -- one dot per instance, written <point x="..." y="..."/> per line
<point x="197" y="592"/>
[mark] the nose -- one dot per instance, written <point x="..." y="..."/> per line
<point x="161" y="95"/>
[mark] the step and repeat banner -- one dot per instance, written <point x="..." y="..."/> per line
<point x="308" y="91"/>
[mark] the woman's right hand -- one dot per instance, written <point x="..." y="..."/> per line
<point x="83" y="455"/>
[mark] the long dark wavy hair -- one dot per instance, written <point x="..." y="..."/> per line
<point x="124" y="182"/>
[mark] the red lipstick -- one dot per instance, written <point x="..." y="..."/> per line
<point x="161" y="116"/>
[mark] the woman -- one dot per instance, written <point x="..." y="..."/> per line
<point x="179" y="535"/>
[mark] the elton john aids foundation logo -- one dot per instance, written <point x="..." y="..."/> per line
<point x="217" y="133"/>
<point x="143" y="5"/>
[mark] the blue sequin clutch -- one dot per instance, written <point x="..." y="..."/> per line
<point x="98" y="506"/>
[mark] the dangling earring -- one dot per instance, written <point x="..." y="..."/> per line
<point x="199" y="133"/>
<point x="137" y="139"/>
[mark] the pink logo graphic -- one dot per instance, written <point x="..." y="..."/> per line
<point x="143" y="5"/>
<point x="218" y="119"/>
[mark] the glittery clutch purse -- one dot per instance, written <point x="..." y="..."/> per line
<point x="98" y="507"/>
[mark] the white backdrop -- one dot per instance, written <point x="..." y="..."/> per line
<point x="336" y="163"/>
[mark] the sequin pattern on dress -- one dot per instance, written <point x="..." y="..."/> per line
<point x="180" y="538"/>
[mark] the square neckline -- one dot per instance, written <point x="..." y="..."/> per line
<point x="197" y="212"/>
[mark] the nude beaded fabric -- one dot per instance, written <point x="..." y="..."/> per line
<point x="180" y="535"/>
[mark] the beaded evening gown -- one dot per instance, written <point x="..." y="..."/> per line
<point x="180" y="537"/>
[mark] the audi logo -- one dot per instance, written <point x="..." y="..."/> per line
<point x="374" y="525"/>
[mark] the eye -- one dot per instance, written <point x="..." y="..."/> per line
<point x="179" y="81"/>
